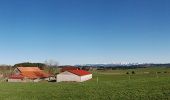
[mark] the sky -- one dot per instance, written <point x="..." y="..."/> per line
<point x="85" y="31"/>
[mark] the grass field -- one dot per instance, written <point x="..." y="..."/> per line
<point x="145" y="84"/>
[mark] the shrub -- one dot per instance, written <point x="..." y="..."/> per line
<point x="133" y="72"/>
<point x="158" y="72"/>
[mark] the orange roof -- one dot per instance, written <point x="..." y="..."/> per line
<point x="28" y="69"/>
<point x="34" y="75"/>
<point x="32" y="72"/>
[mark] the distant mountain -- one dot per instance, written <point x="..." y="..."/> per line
<point x="126" y="65"/>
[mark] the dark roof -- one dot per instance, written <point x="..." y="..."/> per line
<point x="67" y="68"/>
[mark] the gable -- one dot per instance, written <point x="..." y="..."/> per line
<point x="16" y="71"/>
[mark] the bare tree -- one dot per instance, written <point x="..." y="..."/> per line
<point x="52" y="66"/>
<point x="51" y="63"/>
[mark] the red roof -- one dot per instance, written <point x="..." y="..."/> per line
<point x="79" y="72"/>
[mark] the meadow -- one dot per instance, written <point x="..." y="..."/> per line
<point x="144" y="84"/>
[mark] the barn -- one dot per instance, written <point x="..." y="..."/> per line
<point x="67" y="68"/>
<point x="74" y="76"/>
<point x="28" y="74"/>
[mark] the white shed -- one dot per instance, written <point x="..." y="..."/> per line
<point x="74" y="76"/>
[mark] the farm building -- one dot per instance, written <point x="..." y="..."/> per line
<point x="67" y="68"/>
<point x="28" y="74"/>
<point x="74" y="75"/>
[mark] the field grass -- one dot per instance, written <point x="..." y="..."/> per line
<point x="110" y="86"/>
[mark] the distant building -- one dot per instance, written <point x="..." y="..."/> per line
<point x="74" y="76"/>
<point x="67" y="68"/>
<point x="28" y="74"/>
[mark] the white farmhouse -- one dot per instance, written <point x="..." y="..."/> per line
<point x="74" y="76"/>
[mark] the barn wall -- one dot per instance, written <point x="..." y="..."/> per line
<point x="28" y="80"/>
<point x="67" y="76"/>
<point x="86" y="77"/>
<point x="37" y="80"/>
<point x="24" y="80"/>
<point x="15" y="80"/>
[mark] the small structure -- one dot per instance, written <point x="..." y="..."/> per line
<point x="28" y="74"/>
<point x="67" y="68"/>
<point x="74" y="76"/>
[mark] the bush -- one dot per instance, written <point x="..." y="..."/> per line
<point x="158" y="72"/>
<point x="165" y="72"/>
<point x="133" y="72"/>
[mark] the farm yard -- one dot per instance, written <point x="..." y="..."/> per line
<point x="143" y="84"/>
<point x="84" y="50"/>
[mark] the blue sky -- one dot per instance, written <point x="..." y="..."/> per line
<point x="85" y="31"/>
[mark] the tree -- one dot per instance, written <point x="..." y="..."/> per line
<point x="28" y="64"/>
<point x="51" y="65"/>
<point x="127" y="72"/>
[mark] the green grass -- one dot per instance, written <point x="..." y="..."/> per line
<point x="109" y="87"/>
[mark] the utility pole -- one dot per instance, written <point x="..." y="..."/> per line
<point x="129" y="77"/>
<point x="157" y="75"/>
<point x="97" y="80"/>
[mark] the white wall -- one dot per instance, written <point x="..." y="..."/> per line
<point x="86" y="77"/>
<point x="15" y="80"/>
<point x="24" y="80"/>
<point x="37" y="80"/>
<point x="67" y="76"/>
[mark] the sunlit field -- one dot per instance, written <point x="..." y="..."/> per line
<point x="144" y="84"/>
